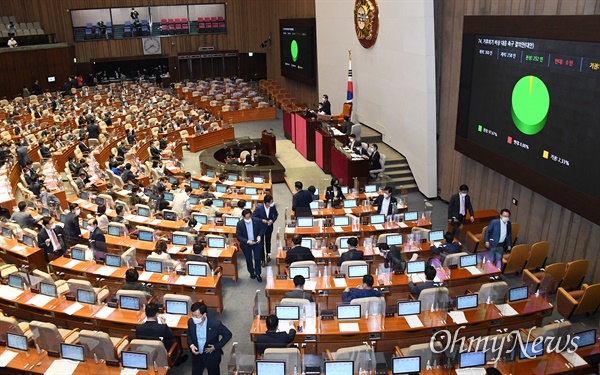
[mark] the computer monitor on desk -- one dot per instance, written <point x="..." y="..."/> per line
<point x="210" y="173"/>
<point x="250" y="191"/>
<point x="143" y="211"/>
<point x="72" y="352"/>
<point x="394" y="239"/>
<point x="304" y="222"/>
<point x="270" y="368"/>
<point x="200" y="218"/>
<point x="176" y="307"/>
<point x="195" y="184"/>
<point x="180" y="239"/>
<point x="471" y="359"/>
<point x="465" y="302"/>
<point x="370" y="188"/>
<point x="468" y="260"/>
<point x="409" y="308"/>
<point x="134" y="360"/>
<point x="218" y="203"/>
<point x="518" y="294"/>
<point x="339" y="368"/>
<point x="16" y="281"/>
<point x="129" y="303"/>
<point x="48" y="289"/>
<point x="78" y="254"/>
<point x="350" y="203"/>
<point x="258" y="179"/>
<point x="86" y="296"/>
<point x="168" y="197"/>
<point x="377" y="219"/>
<point x="221" y="188"/>
<point x="348" y="312"/>
<point x="153" y="266"/>
<point x="417" y="266"/>
<point x="304" y="271"/>
<point x="406" y="365"/>
<point x="216" y="242"/>
<point x="16" y="341"/>
<point x="287" y="312"/>
<point x="199" y="270"/>
<point x="358" y="271"/>
<point x="411" y="216"/>
<point x="231" y="221"/>
<point x="341" y="221"/>
<point x="436" y="235"/>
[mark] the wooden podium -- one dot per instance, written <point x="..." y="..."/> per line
<point x="268" y="145"/>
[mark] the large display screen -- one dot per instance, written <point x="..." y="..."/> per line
<point x="529" y="108"/>
<point x="298" y="52"/>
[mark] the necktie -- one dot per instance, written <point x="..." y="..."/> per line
<point x="462" y="205"/>
<point x="54" y="239"/>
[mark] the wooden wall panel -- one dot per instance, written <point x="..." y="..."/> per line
<point x="572" y="236"/>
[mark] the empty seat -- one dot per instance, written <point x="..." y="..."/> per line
<point x="575" y="274"/>
<point x="537" y="255"/>
<point x="515" y="261"/>
<point x="156" y="352"/>
<point x="48" y="337"/>
<point x="102" y="345"/>
<point x="578" y="302"/>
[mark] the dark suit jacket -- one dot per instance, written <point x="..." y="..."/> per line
<point x="351" y="254"/>
<point x="153" y="330"/>
<point x="297" y="293"/>
<point x="454" y="206"/>
<point x="242" y="233"/>
<point x="301" y="199"/>
<point x="72" y="225"/>
<point x="415" y="290"/>
<point x="216" y="334"/>
<point x="298" y="253"/>
<point x="99" y="241"/>
<point x="23" y="156"/>
<point x="379" y="201"/>
<point x="329" y="194"/>
<point x="274" y="340"/>
<point x="492" y="233"/>
<point x="127" y="176"/>
<point x="154" y="151"/>
<point x="374" y="162"/>
<point x="326" y="107"/>
<point x="261" y="213"/>
<point x="93" y="130"/>
<point x="49" y="249"/>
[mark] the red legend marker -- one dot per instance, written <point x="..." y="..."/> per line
<point x="509" y="140"/>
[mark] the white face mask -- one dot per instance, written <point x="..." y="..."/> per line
<point x="247" y="221"/>
<point x="371" y="149"/>
<point x="463" y="195"/>
<point x="77" y="211"/>
<point x="504" y="219"/>
<point x="198" y="320"/>
<point x="386" y="196"/>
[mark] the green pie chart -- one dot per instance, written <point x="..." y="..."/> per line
<point x="294" y="50"/>
<point x="530" y="104"/>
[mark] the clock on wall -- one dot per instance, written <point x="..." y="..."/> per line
<point x="366" y="22"/>
<point x="151" y="46"/>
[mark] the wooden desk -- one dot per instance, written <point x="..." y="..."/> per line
<point x="207" y="288"/>
<point x="482" y="219"/>
<point x="358" y="230"/>
<point x="268" y="143"/>
<point x="119" y="322"/>
<point x="394" y="288"/>
<point x="12" y="251"/>
<point x="305" y="136"/>
<point x="200" y="142"/>
<point x="32" y="362"/>
<point x="387" y="332"/>
<point x="267" y="186"/>
<point x="346" y="169"/>
<point x="245" y="115"/>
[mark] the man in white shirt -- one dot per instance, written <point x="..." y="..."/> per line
<point x="385" y="202"/>
<point x="181" y="202"/>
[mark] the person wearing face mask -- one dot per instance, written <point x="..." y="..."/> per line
<point x="51" y="240"/>
<point x="71" y="226"/>
<point x="333" y="193"/>
<point x="249" y="233"/>
<point x="206" y="338"/>
<point x="458" y="207"/>
<point x="374" y="159"/>
<point x="97" y="239"/>
<point x="326" y="109"/>
<point x="385" y="201"/>
<point x="267" y="213"/>
<point x="498" y="235"/>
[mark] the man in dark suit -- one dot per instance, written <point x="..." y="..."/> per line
<point x="352" y="253"/>
<point x="197" y="256"/>
<point x="267" y="213"/>
<point x="154" y="150"/>
<point x="249" y="233"/>
<point x="93" y="130"/>
<point x="22" y="155"/>
<point x="21" y="217"/>
<point x="132" y="283"/>
<point x="51" y="241"/>
<point x="458" y="206"/>
<point x="333" y="193"/>
<point x="45" y="150"/>
<point x="272" y="338"/>
<point x="385" y="202"/>
<point x="498" y="235"/>
<point x="326" y="109"/>
<point x="301" y="200"/>
<point x="448" y="247"/>
<point x="347" y="125"/>
<point x="430" y="274"/>
<point x="298" y="291"/>
<point x="298" y="253"/>
<point x="374" y="159"/>
<point x="128" y="175"/>
<point x="72" y="229"/>
<point x="354" y="144"/>
<point x="97" y="239"/>
<point x="206" y="352"/>
<point x="155" y="328"/>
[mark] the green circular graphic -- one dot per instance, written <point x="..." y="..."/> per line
<point x="294" y="50"/>
<point x="530" y="105"/>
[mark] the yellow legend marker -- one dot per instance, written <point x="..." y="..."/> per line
<point x="546" y="154"/>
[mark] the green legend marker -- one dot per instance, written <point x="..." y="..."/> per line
<point x="480" y="128"/>
<point x="294" y="50"/>
<point x="530" y="105"/>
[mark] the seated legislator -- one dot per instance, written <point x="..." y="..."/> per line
<point x="333" y="193"/>
<point x="51" y="240"/>
<point x="155" y="328"/>
<point x="352" y="253"/>
<point x="160" y="250"/>
<point x="197" y="256"/>
<point x="24" y="219"/>
<point x="298" y="291"/>
<point x="209" y="210"/>
<point x="272" y="338"/>
<point x="97" y="239"/>
<point x="430" y="274"/>
<point x="448" y="247"/>
<point x="298" y="252"/>
<point x="132" y="283"/>
<point x="385" y="201"/>
<point x="364" y="290"/>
